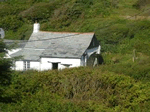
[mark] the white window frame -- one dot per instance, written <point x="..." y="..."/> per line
<point x="26" y="65"/>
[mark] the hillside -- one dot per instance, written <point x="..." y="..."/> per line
<point x="17" y="17"/>
<point x="106" y="18"/>
<point x="120" y="84"/>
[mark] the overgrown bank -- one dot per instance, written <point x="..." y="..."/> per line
<point x="78" y="89"/>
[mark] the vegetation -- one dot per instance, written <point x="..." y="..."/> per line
<point x="78" y="89"/>
<point x="121" y="84"/>
<point x="5" y="74"/>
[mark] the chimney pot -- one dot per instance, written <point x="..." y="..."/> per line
<point x="36" y="27"/>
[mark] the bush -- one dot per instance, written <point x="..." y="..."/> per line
<point x="5" y="64"/>
<point x="7" y="9"/>
<point x="38" y="11"/>
<point x="11" y="23"/>
<point x="84" y="87"/>
<point x="140" y="3"/>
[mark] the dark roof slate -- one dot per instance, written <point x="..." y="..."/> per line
<point x="19" y="43"/>
<point x="56" y="45"/>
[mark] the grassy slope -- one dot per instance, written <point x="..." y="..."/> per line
<point x="119" y="37"/>
<point x="60" y="15"/>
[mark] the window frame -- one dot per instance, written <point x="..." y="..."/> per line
<point x="26" y="65"/>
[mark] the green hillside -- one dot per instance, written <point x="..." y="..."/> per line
<point x="18" y="16"/>
<point x="111" y="20"/>
<point x="120" y="84"/>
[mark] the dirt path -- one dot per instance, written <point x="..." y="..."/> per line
<point x="136" y="17"/>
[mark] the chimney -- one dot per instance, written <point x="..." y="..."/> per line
<point x="36" y="27"/>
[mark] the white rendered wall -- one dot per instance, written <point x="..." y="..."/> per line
<point x="34" y="65"/>
<point x="36" y="27"/>
<point x="99" y="49"/>
<point x="46" y="63"/>
<point x="19" y="65"/>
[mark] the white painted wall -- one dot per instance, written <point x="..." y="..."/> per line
<point x="34" y="65"/>
<point x="99" y="49"/>
<point x="46" y="63"/>
<point x="19" y="65"/>
<point x="36" y="27"/>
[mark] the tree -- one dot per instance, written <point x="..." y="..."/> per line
<point x="5" y="71"/>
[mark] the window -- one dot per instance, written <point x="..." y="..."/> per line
<point x="67" y="65"/>
<point x="55" y="65"/>
<point x="26" y="65"/>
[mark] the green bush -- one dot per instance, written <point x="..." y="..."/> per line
<point x="14" y="9"/>
<point x="141" y="3"/>
<point x="38" y="11"/>
<point x="11" y="23"/>
<point x="87" y="89"/>
<point x="5" y="71"/>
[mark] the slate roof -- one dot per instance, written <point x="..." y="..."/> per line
<point x="28" y="54"/>
<point x="55" y="45"/>
<point x="19" y="43"/>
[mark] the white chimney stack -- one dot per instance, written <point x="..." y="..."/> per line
<point x="36" y="27"/>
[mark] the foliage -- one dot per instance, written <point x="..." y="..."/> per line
<point x="39" y="11"/>
<point x="141" y="3"/>
<point x="11" y="22"/>
<point x="78" y="89"/>
<point x="55" y="15"/>
<point x="120" y="84"/>
<point x="5" y="65"/>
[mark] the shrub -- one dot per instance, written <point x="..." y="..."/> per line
<point x="140" y="3"/>
<point x="38" y="11"/>
<point x="11" y="23"/>
<point x="14" y="9"/>
<point x="112" y="91"/>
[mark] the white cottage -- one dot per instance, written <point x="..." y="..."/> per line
<point x="56" y="50"/>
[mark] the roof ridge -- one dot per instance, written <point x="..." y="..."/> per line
<point x="68" y="32"/>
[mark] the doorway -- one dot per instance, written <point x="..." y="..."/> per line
<point x="54" y="66"/>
